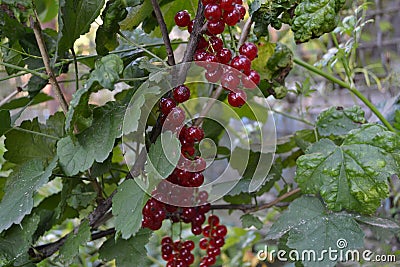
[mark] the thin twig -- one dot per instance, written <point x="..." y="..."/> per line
<point x="10" y="96"/>
<point x="46" y="61"/>
<point x="253" y="208"/>
<point x="293" y="117"/>
<point x="76" y="69"/>
<point x="245" y="32"/>
<point x="164" y="32"/>
<point x="209" y="105"/>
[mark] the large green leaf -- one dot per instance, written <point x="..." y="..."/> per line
<point x="24" y="146"/>
<point x="165" y="153"/>
<point x="26" y="101"/>
<point x="94" y="143"/>
<point x="314" y="18"/>
<point x="5" y="119"/>
<point x="127" y="253"/>
<point x="24" y="181"/>
<point x="352" y="176"/>
<point x="15" y="242"/>
<point x="127" y="208"/>
<point x="105" y="75"/>
<point x="74" y="20"/>
<point x="311" y="227"/>
<point x="70" y="249"/>
<point x="338" y="121"/>
<point x="249" y="220"/>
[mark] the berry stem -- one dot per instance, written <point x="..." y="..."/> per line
<point x="164" y="32"/>
<point x="347" y="86"/>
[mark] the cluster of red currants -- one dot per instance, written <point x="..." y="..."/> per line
<point x="234" y="71"/>
<point x="214" y="238"/>
<point x="178" y="253"/>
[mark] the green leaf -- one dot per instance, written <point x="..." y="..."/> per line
<point x="337" y="121"/>
<point x="127" y="208"/>
<point x="311" y="227"/>
<point x="396" y="123"/>
<point x="107" y="71"/>
<point x="127" y="253"/>
<point x="302" y="139"/>
<point x="70" y="249"/>
<point x="136" y="15"/>
<point x="164" y="154"/>
<point x="314" y="18"/>
<point x="5" y="119"/>
<point x="46" y="9"/>
<point x="352" y="176"/>
<point x="265" y="51"/>
<point x="16" y="241"/>
<point x="24" y="181"/>
<point x="106" y="35"/>
<point x="25" y="146"/>
<point x="74" y="20"/>
<point x="26" y="101"/>
<point x="81" y="196"/>
<point x="249" y="220"/>
<point x="280" y="62"/>
<point x="378" y="222"/>
<point x="94" y="143"/>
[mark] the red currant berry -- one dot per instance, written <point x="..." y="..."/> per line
<point x="213" y="220"/>
<point x="216" y="27"/>
<point x="212" y="12"/>
<point x="167" y="257"/>
<point x="188" y="150"/>
<point x="166" y="104"/>
<point x="224" y="55"/>
<point x="249" y="50"/>
<point x="188" y="213"/>
<point x="196" y="229"/>
<point x="189" y="244"/>
<point x="197" y="180"/>
<point x="189" y="259"/>
<point x="190" y="26"/>
<point x="252" y="80"/>
<point x="200" y="55"/>
<point x="221" y="230"/>
<point x="182" y="18"/>
<point x="241" y="9"/>
<point x="213" y="252"/>
<point x="199" y="219"/>
<point x="210" y="62"/>
<point x="217" y="241"/>
<point x="203" y="244"/>
<point x="227" y="5"/>
<point x="194" y="134"/>
<point x="216" y="43"/>
<point x="202" y="196"/>
<point x="167" y="249"/>
<point x="231" y="18"/>
<point x="211" y="260"/>
<point x="205" y="208"/>
<point x="202" y="43"/>
<point x="213" y="76"/>
<point x="207" y="230"/>
<point x="230" y="80"/>
<point x="180" y="263"/>
<point x="237" y="99"/>
<point x="176" y="117"/>
<point x="241" y="63"/>
<point x="206" y="2"/>
<point x="181" y="93"/>
<point x="166" y="240"/>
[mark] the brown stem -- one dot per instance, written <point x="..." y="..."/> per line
<point x="164" y="32"/>
<point x="252" y="208"/>
<point x="46" y="61"/>
<point x="245" y="32"/>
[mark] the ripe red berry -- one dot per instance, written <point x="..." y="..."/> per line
<point x="212" y="12"/>
<point x="213" y="220"/>
<point x="175" y="118"/>
<point x="237" y="99"/>
<point x="202" y="43"/>
<point x="189" y="259"/>
<point x="249" y="50"/>
<point x="189" y="244"/>
<point x="210" y="260"/>
<point x="196" y="229"/>
<point x="224" y="55"/>
<point x="199" y="219"/>
<point x="210" y="61"/>
<point x="203" y="244"/>
<point x="166" y="240"/>
<point x="194" y="134"/>
<point x="182" y="18"/>
<point x="206" y="2"/>
<point x="252" y="80"/>
<point x="216" y="27"/>
<point x="181" y="93"/>
<point x="202" y="196"/>
<point x="241" y="63"/>
<point x="213" y="76"/>
<point x="227" y="5"/>
<point x="166" y="105"/>
<point x="230" y="80"/>
<point x="221" y="230"/>
<point x="197" y="179"/>
<point x="200" y="55"/>
<point x="241" y="9"/>
<point x="216" y="43"/>
<point x="188" y="150"/>
<point x="190" y="26"/>
<point x="231" y="18"/>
